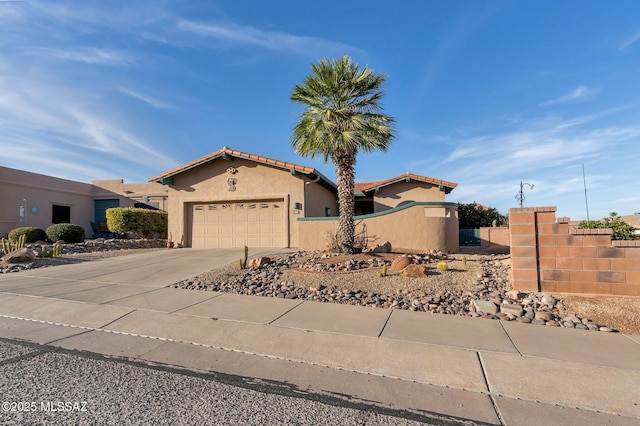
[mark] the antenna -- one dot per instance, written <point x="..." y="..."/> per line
<point x="584" y="180"/>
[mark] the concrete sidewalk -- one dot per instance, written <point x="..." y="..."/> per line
<point x="486" y="371"/>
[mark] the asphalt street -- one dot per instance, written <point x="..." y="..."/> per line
<point x="48" y="385"/>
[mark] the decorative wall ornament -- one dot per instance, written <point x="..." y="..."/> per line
<point x="232" y="184"/>
<point x="232" y="170"/>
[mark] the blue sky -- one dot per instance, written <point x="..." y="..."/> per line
<point x="485" y="93"/>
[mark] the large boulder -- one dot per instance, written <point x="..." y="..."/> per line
<point x="258" y="262"/>
<point x="400" y="262"/>
<point x="414" y="271"/>
<point x="17" y="256"/>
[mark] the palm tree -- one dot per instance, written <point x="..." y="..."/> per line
<point x="342" y="116"/>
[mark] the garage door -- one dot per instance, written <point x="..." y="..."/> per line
<point x="251" y="223"/>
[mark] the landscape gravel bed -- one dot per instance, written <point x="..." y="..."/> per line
<point x="98" y="248"/>
<point x="478" y="287"/>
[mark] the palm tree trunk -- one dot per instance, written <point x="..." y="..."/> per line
<point x="345" y="172"/>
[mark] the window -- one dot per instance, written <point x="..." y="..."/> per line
<point x="212" y="207"/>
<point x="60" y="214"/>
<point x="327" y="211"/>
<point x="198" y="208"/>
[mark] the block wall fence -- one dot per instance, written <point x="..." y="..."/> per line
<point x="547" y="255"/>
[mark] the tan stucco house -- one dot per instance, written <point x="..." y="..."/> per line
<point x="231" y="198"/>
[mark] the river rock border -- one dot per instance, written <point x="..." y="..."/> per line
<point x="491" y="297"/>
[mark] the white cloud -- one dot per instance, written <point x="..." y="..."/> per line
<point x="156" y="103"/>
<point x="629" y="41"/>
<point x="272" y="40"/>
<point x="88" y="55"/>
<point x="580" y="92"/>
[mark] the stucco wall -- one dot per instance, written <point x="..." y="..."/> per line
<point x="41" y="193"/>
<point x="417" y="226"/>
<point x="253" y="181"/>
<point x="391" y="196"/>
<point x="317" y="198"/>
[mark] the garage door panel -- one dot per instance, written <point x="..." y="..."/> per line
<point x="257" y="224"/>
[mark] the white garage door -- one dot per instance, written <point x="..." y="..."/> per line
<point x="251" y="223"/>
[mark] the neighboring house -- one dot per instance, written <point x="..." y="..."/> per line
<point x="31" y="199"/>
<point x="231" y="198"/>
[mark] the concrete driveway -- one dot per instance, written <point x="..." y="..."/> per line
<point x="154" y="269"/>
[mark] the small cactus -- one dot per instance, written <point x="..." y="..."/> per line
<point x="21" y="241"/>
<point x="442" y="266"/>
<point x="243" y="262"/>
<point x="6" y="246"/>
<point x="464" y="260"/>
<point x="383" y="272"/>
<point x="57" y="249"/>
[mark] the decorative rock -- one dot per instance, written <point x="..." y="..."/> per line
<point x="259" y="262"/>
<point x="384" y="248"/>
<point x="513" y="294"/>
<point x="524" y="320"/>
<point x="538" y="321"/>
<point x="515" y="310"/>
<point x="543" y="315"/>
<point x="414" y="271"/>
<point x="606" y="329"/>
<point x="400" y="262"/>
<point x="18" y="256"/>
<point x="553" y="324"/>
<point x="548" y="300"/>
<point x="485" y="306"/>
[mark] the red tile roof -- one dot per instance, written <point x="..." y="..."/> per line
<point x="359" y="186"/>
<point x="368" y="186"/>
<point x="239" y="154"/>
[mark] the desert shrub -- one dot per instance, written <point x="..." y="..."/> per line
<point x="67" y="232"/>
<point x="474" y="216"/>
<point x="621" y="229"/>
<point x="31" y="233"/>
<point x="142" y="222"/>
<point x="442" y="266"/>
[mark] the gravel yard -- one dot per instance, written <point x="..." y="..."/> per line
<point x="446" y="292"/>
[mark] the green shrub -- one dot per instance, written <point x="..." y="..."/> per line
<point x="32" y="234"/>
<point x="621" y="229"/>
<point x="67" y="232"/>
<point x="142" y="222"/>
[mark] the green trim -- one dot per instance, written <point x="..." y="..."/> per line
<point x="386" y="212"/>
<point x="295" y="173"/>
<point x="166" y="180"/>
<point x="227" y="157"/>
